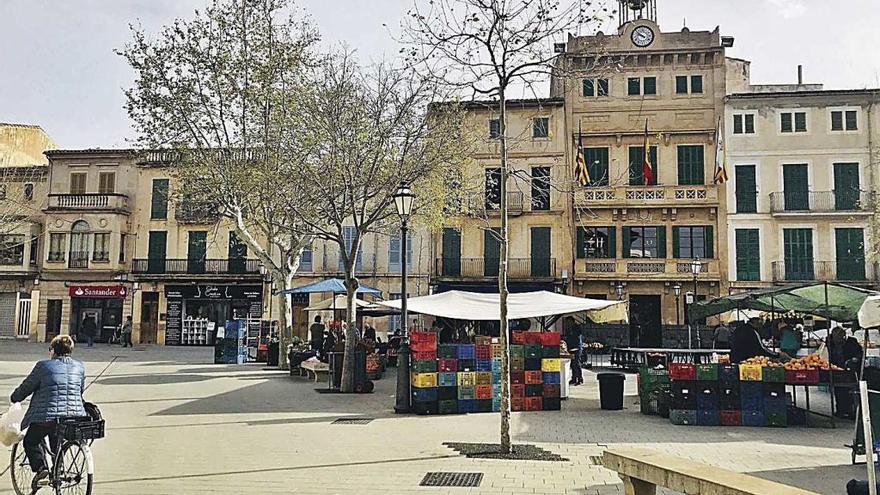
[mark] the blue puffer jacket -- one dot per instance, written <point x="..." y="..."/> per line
<point x="57" y="386"/>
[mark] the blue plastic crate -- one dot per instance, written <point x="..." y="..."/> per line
<point x="708" y="418"/>
<point x="424" y="394"/>
<point x="484" y="365"/>
<point x="753" y="418"/>
<point x="496" y="366"/>
<point x="751" y="390"/>
<point x="496" y="377"/>
<point x="707" y="402"/>
<point x="775" y="405"/>
<point x="467" y="406"/>
<point x="467" y="351"/>
<point x="551" y="378"/>
<point x="752" y="404"/>
<point x="447" y="379"/>
<point x="496" y="404"/>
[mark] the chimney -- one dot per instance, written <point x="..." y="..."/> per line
<point x="800" y="75"/>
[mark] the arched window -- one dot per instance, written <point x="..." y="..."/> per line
<point x="79" y="244"/>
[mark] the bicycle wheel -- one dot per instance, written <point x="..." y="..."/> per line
<point x="72" y="476"/>
<point x="20" y="471"/>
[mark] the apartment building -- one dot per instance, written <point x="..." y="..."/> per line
<point x="538" y="192"/>
<point x="802" y="198"/>
<point x="638" y="230"/>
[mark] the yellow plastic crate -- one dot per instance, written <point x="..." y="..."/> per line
<point x="750" y="373"/>
<point x="467" y="379"/>
<point x="424" y="380"/>
<point x="550" y="365"/>
<point x="497" y="351"/>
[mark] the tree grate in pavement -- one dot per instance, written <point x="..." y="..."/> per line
<point x="352" y="421"/>
<point x="452" y="479"/>
<point x="596" y="459"/>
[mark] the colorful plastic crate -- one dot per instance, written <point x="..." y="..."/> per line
<point x="551" y="378"/>
<point x="682" y="371"/>
<point x="517" y="364"/>
<point x="683" y="416"/>
<point x="750" y="373"/>
<point x="484" y="364"/>
<point x="518" y="337"/>
<point x="424" y="366"/>
<point x="425" y="408"/>
<point x="518" y="377"/>
<point x="484" y="392"/>
<point x="707" y="372"/>
<point x="467" y="406"/>
<point x="517" y="403"/>
<point x="753" y="418"/>
<point x="497" y="351"/>
<point x="496" y="366"/>
<point x="447" y="365"/>
<point x="708" y="417"/>
<point x="467" y="393"/>
<point x="423" y="338"/>
<point x="730" y="418"/>
<point x="533" y="351"/>
<point x="447" y="393"/>
<point x="496" y="377"/>
<point x="550" y="351"/>
<point x="776" y="418"/>
<point x="534" y="390"/>
<point x="551" y="390"/>
<point x="551" y="339"/>
<point x="773" y="374"/>
<point x="483" y="351"/>
<point x="551" y="364"/>
<point x="482" y="340"/>
<point x="448" y="406"/>
<point x="533" y="338"/>
<point x="467" y="364"/>
<point x="424" y="394"/>
<point x="534" y="403"/>
<point x="684" y="395"/>
<point x="448" y="351"/>
<point x="467" y="351"/>
<point x="467" y="379"/>
<point x="728" y="372"/>
<point x="484" y="405"/>
<point x="423" y="347"/>
<point x="517" y="351"/>
<point x="534" y="377"/>
<point x="424" y="380"/>
<point x="484" y="378"/>
<point x="424" y="355"/>
<point x="517" y="390"/>
<point x="447" y="379"/>
<point x="496" y="404"/>
<point x="532" y="364"/>
<point x="802" y="377"/>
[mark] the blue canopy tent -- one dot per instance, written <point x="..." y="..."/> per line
<point x="333" y="285"/>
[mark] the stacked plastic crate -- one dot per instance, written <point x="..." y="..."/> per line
<point x="683" y="404"/>
<point x="447" y="378"/>
<point x="729" y="395"/>
<point x="425" y="391"/>
<point x="653" y="386"/>
<point x="535" y="371"/>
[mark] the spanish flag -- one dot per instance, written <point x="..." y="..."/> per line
<point x="581" y="173"/>
<point x="720" y="157"/>
<point x="647" y="169"/>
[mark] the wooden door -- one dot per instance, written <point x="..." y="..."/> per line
<point x="850" y="248"/>
<point x="540" y="252"/>
<point x="149" y="317"/>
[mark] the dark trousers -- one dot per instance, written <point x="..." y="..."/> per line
<point x="33" y="438"/>
<point x="843" y="401"/>
<point x="126" y="339"/>
<point x="577" y="373"/>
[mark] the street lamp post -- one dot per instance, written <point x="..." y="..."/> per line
<point x="677" y="290"/>
<point x="696" y="268"/>
<point x="403" y="201"/>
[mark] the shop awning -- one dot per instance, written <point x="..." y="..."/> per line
<point x="475" y="306"/>
<point x="339" y="302"/>
<point x="331" y="285"/>
<point x="829" y="300"/>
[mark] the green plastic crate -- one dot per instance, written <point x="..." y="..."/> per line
<point x="448" y="407"/>
<point x="707" y="372"/>
<point x="777" y="419"/>
<point x="517" y="351"/>
<point x="651" y="379"/>
<point x="424" y="366"/>
<point x="533" y="351"/>
<point x="773" y="375"/>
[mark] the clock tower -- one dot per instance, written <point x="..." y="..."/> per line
<point x="635" y="10"/>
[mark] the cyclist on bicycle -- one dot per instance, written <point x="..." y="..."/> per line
<point x="57" y="386"/>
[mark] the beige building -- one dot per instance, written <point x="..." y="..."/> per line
<point x="636" y="235"/>
<point x="803" y="181"/>
<point x="538" y="193"/>
<point x="23" y="145"/>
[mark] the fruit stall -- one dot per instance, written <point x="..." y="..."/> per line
<point x="752" y="393"/>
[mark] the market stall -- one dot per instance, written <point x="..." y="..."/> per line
<point x="450" y="378"/>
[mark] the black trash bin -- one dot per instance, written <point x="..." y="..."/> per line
<point x="611" y="391"/>
<point x="272" y="354"/>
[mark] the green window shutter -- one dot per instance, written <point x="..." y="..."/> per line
<point x="691" y="169"/>
<point x="650" y="85"/>
<point x="597" y="165"/>
<point x="676" y="242"/>
<point x="748" y="259"/>
<point x="627" y="240"/>
<point x="580" y="249"/>
<point x="696" y="84"/>
<point x="589" y="88"/>
<point x="661" y="242"/>
<point x="159" y="199"/>
<point x="785" y="122"/>
<point x="612" y="241"/>
<point x="634" y="86"/>
<point x="710" y="250"/>
<point x="746" y="189"/>
<point x="602" y="87"/>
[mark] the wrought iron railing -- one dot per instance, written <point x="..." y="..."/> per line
<point x="821" y="201"/>
<point x="846" y="270"/>
<point x="196" y="267"/>
<point x="518" y="268"/>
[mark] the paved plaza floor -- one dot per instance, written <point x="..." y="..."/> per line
<point x="177" y="424"/>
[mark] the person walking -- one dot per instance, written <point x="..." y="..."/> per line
<point x="316" y="334"/>
<point x="57" y="385"/>
<point x="89" y="329"/>
<point x="126" y="332"/>
<point x="574" y="342"/>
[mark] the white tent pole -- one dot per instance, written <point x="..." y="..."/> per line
<point x="869" y="437"/>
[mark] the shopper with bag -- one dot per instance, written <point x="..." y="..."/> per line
<point x="57" y="386"/>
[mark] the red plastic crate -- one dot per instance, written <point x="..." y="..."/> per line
<point x="534" y="403"/>
<point x="517" y="404"/>
<point x="534" y="377"/>
<point x="551" y="390"/>
<point x="424" y="355"/>
<point x="447" y="365"/>
<point x="682" y="371"/>
<point x="484" y="392"/>
<point x="802" y="377"/>
<point x="731" y="418"/>
<point x="517" y="390"/>
<point x="423" y="347"/>
<point x="518" y="337"/>
<point x="533" y="338"/>
<point x="484" y="351"/>
<point x="551" y="338"/>
<point x="423" y="338"/>
<point x="518" y="377"/>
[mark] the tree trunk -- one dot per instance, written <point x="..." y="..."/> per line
<point x="502" y="284"/>
<point x="285" y="334"/>
<point x="348" y="363"/>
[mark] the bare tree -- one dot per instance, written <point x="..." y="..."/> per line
<point x="373" y="130"/>
<point x="489" y="47"/>
<point x="218" y="94"/>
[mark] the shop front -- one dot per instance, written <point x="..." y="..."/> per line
<point x="193" y="313"/>
<point x="100" y="303"/>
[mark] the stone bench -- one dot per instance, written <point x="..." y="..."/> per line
<point x="643" y="470"/>
<point x="314" y="368"/>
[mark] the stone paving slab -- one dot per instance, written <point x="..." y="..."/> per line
<point x="180" y="425"/>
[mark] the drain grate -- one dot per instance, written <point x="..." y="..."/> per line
<point x="452" y="479"/>
<point x="352" y="421"/>
<point x="596" y="459"/>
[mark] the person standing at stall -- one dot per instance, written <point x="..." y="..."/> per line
<point x="846" y="353"/>
<point x="790" y="338"/>
<point x="721" y="338"/>
<point x="316" y="334"/>
<point x="746" y="342"/>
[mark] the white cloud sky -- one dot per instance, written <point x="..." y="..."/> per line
<point x="59" y="69"/>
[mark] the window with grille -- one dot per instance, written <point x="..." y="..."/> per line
<point x="101" y="247"/>
<point x="57" y="246"/>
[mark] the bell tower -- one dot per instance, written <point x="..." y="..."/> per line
<point x="634" y="10"/>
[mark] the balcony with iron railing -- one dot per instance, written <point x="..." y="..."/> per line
<point x="643" y="268"/>
<point x="486" y="268"/>
<point x="847" y="270"/>
<point x="195" y="267"/>
<point x="78" y="259"/>
<point x="836" y="202"/>
<point x="89" y="202"/>
<point x="661" y="195"/>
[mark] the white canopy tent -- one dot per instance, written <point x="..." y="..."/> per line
<point x="477" y="306"/>
<point x="339" y="302"/>
<point x="869" y="313"/>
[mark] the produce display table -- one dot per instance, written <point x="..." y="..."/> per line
<point x="315" y="368"/>
<point x="634" y="357"/>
